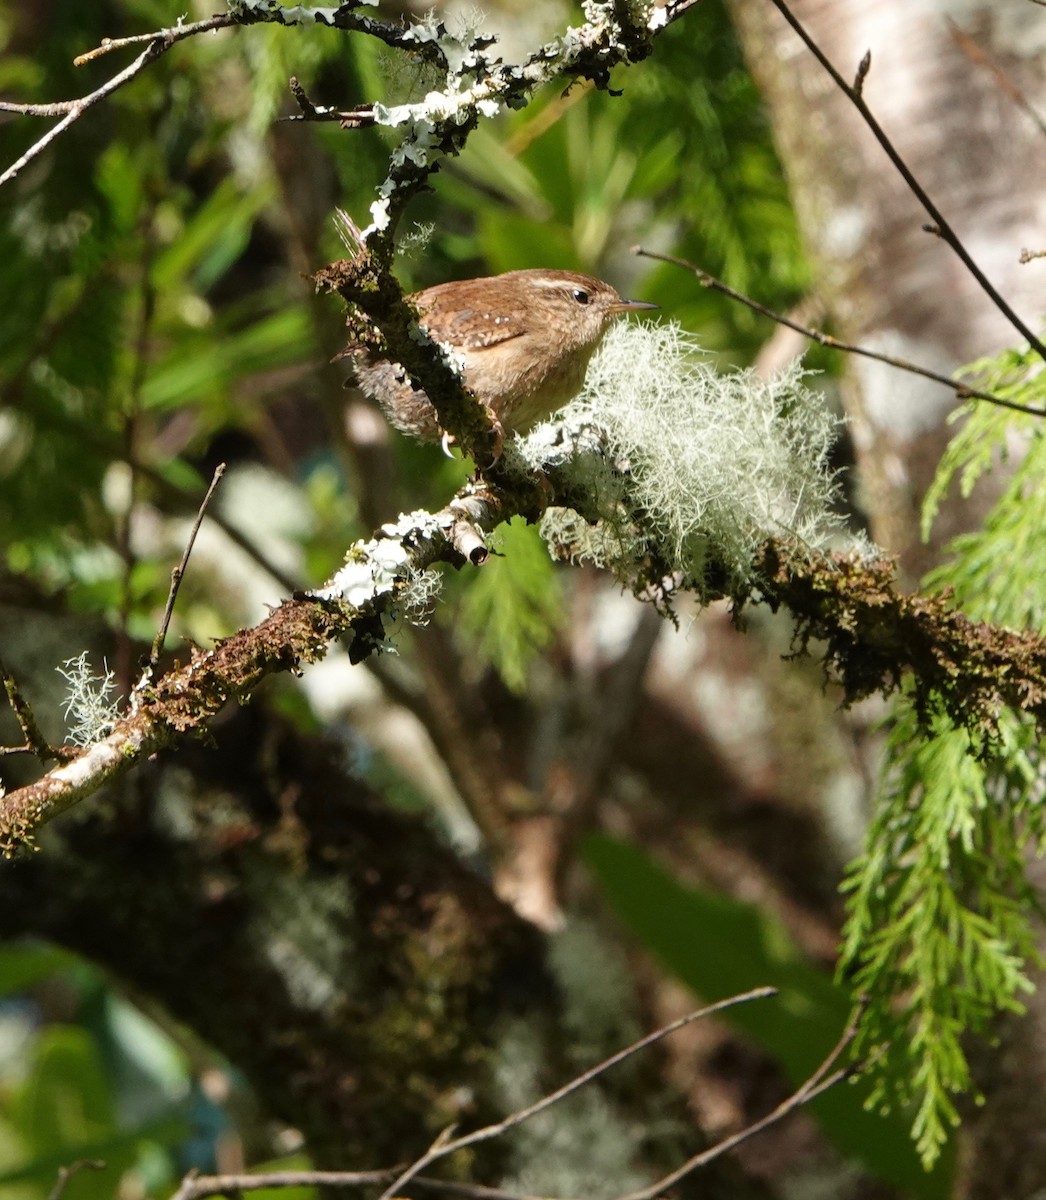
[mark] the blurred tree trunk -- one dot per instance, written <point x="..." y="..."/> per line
<point x="936" y="86"/>
<point x="943" y="84"/>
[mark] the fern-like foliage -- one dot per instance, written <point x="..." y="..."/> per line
<point x="939" y="936"/>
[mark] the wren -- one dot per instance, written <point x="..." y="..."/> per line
<point x="525" y="338"/>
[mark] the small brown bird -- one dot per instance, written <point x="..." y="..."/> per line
<point x="526" y="338"/>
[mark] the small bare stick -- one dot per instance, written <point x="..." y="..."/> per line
<point x="158" y="43"/>
<point x="351" y="119"/>
<point x="35" y="742"/>
<point x="66" y="1173"/>
<point x="962" y="390"/>
<point x="820" y="1081"/>
<point x="179" y="571"/>
<point x="172" y="35"/>
<point x="445" y="1145"/>
<point x="195" y="1186"/>
<point x="826" y="1076"/>
<point x="942" y="227"/>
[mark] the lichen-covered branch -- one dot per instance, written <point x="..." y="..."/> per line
<point x="355" y="604"/>
<point x="875" y="636"/>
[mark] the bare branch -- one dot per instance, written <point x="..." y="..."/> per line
<point x="35" y="742"/>
<point x="55" y="109"/>
<point x="820" y="1081"/>
<point x="195" y="1186"/>
<point x="66" y="1173"/>
<point x="175" y="33"/>
<point x="77" y="109"/>
<point x="444" y="1146"/>
<point x="179" y="571"/>
<point x="159" y="43"/>
<point x="943" y="228"/>
<point x="962" y="390"/>
<point x="199" y="1187"/>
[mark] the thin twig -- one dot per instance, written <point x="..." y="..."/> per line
<point x="820" y="1081"/>
<point x="198" y="1187"/>
<point x="35" y="742"/>
<point x="354" y="118"/>
<point x="195" y="1186"/>
<point x="80" y="106"/>
<point x="66" y="1173"/>
<point x="55" y="109"/>
<point x="159" y="43"/>
<point x="962" y="390"/>
<point x="175" y="33"/>
<point x="979" y="56"/>
<point x="179" y="571"/>
<point x="943" y="228"/>
<point x="177" y="491"/>
<point x="444" y="1145"/>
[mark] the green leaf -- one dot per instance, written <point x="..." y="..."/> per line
<point x="66" y="1101"/>
<point x="512" y="608"/>
<point x="205" y="367"/>
<point x="212" y="239"/>
<point x="65" y="1111"/>
<point x="22" y="965"/>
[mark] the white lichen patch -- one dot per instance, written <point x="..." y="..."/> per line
<point x="377" y="566"/>
<point x="706" y="464"/>
<point x="418" y="597"/>
<point x="91" y="707"/>
<point x="289" y="14"/>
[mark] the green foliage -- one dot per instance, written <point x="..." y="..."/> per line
<point x="683" y="156"/>
<point x="148" y="304"/>
<point x="104" y="1084"/>
<point x="720" y="947"/>
<point x="939" y="930"/>
<point x="512" y="609"/>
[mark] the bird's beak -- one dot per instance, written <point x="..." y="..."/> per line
<point x="621" y="306"/>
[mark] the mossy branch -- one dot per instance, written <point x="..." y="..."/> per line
<point x="874" y="636"/>
<point x="377" y="577"/>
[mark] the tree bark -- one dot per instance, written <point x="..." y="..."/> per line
<point x="887" y="283"/>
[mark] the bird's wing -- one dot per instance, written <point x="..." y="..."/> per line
<point x="466" y="328"/>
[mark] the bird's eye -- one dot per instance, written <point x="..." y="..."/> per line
<point x="580" y="295"/>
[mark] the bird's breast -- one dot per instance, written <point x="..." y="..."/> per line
<point x="522" y="386"/>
